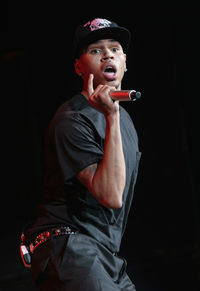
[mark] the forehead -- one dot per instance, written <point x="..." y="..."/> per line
<point x="105" y="42"/>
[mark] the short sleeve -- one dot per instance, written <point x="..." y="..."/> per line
<point x="77" y="145"/>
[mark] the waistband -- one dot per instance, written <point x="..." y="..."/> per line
<point x="46" y="235"/>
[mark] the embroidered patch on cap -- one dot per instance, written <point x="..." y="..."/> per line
<point x="98" y="23"/>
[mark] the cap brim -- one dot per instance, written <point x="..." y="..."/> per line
<point x="121" y="34"/>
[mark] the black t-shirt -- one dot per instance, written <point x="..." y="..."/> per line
<point x="75" y="140"/>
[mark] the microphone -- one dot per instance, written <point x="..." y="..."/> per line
<point x="125" y="95"/>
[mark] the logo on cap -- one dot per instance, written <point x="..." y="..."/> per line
<point x="98" y="23"/>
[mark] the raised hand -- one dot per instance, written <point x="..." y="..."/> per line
<point x="100" y="98"/>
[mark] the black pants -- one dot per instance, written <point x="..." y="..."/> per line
<point x="78" y="263"/>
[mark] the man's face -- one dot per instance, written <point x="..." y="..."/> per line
<point x="104" y="59"/>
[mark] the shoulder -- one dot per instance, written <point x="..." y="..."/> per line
<point x="69" y="114"/>
<point x="124" y="113"/>
<point x="125" y="117"/>
<point x="127" y="122"/>
<point x="69" y="125"/>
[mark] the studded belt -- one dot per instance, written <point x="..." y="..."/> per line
<point x="46" y="235"/>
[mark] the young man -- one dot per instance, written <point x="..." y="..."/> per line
<point x="92" y="159"/>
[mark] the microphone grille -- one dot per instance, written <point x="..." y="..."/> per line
<point x="138" y="95"/>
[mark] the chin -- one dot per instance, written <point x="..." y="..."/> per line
<point x="115" y="83"/>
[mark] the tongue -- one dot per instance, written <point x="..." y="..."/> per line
<point x="109" y="75"/>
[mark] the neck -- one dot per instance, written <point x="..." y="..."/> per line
<point x="85" y="93"/>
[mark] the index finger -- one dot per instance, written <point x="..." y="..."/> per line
<point x="90" y="87"/>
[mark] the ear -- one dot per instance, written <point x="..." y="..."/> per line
<point x="125" y="69"/>
<point x="77" y="67"/>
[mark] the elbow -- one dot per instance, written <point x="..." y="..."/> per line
<point x="116" y="205"/>
<point x="112" y="202"/>
<point x="110" y="197"/>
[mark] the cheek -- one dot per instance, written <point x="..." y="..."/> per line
<point x="90" y="66"/>
<point x="122" y="67"/>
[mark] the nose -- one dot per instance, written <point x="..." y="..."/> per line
<point x="108" y="54"/>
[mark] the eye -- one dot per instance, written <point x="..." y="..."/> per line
<point x="115" y="49"/>
<point x="95" y="51"/>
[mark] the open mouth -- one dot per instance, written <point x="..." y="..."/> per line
<point x="109" y="72"/>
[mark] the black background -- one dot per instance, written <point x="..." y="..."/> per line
<point x="161" y="243"/>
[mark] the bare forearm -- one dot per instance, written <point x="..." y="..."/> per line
<point x="109" y="179"/>
<point x="106" y="180"/>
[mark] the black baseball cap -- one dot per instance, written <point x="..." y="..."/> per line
<point x="99" y="28"/>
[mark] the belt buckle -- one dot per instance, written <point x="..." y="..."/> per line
<point x="62" y="230"/>
<point x="24" y="252"/>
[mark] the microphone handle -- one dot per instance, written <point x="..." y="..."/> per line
<point x="125" y="95"/>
